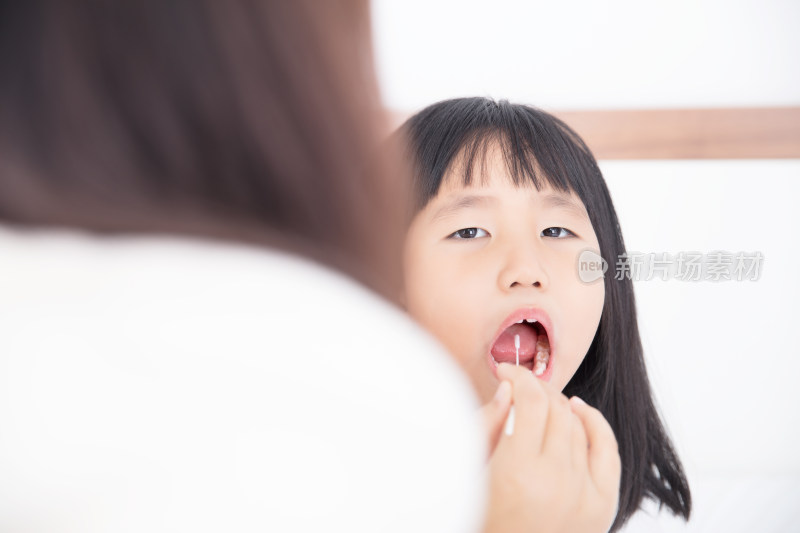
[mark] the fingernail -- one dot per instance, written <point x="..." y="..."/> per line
<point x="503" y="392"/>
<point x="578" y="400"/>
<point x="508" y="429"/>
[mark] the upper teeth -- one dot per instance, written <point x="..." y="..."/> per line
<point x="528" y="320"/>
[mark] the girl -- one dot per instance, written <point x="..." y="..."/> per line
<point x="508" y="197"/>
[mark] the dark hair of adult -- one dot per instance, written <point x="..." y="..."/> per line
<point x="540" y="149"/>
<point x="244" y="120"/>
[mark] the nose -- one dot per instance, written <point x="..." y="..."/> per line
<point x="522" y="267"/>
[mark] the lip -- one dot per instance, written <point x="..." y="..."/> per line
<point x="526" y="313"/>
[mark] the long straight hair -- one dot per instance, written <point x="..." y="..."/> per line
<point x="540" y="149"/>
<point x="251" y="120"/>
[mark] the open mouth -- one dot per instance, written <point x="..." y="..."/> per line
<point x="527" y="340"/>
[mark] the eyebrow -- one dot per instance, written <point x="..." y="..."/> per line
<point x="552" y="201"/>
<point x="560" y="201"/>
<point x="462" y="202"/>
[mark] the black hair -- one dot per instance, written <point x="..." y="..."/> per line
<point x="539" y="148"/>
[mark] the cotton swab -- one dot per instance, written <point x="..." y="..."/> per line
<point x="509" y="428"/>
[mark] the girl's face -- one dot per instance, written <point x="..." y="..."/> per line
<point x="482" y="258"/>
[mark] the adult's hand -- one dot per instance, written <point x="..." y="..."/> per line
<point x="494" y="415"/>
<point x="559" y="470"/>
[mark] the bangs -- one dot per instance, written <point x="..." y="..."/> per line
<point x="454" y="140"/>
<point x="472" y="163"/>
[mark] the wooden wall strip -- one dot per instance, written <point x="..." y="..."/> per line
<point x="732" y="133"/>
<point x="736" y="133"/>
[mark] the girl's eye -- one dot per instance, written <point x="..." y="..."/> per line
<point x="468" y="233"/>
<point x="558" y="233"/>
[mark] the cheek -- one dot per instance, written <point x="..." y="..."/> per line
<point x="586" y="308"/>
<point x="591" y="311"/>
<point x="435" y="285"/>
<point x="443" y="302"/>
<point x="582" y="309"/>
<point x="585" y="305"/>
<point x="434" y="296"/>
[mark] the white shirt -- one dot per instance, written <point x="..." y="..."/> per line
<point x="156" y="384"/>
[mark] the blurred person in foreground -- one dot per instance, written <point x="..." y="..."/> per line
<point x="189" y="197"/>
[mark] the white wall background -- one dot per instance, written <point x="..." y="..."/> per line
<point x="586" y="54"/>
<point x="723" y="357"/>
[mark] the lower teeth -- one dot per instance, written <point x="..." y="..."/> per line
<point x="542" y="357"/>
<point x="540" y="366"/>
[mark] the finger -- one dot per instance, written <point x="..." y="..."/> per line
<point x="603" y="458"/>
<point x="494" y="414"/>
<point x="530" y="407"/>
<point x="558" y="435"/>
<point x="580" y="444"/>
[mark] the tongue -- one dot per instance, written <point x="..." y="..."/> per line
<point x="504" y="350"/>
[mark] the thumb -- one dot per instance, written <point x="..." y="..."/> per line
<point x="494" y="414"/>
